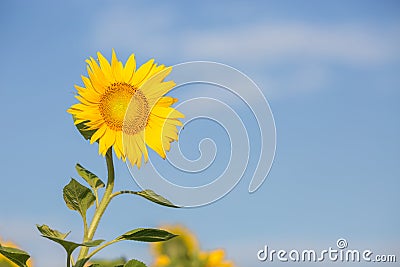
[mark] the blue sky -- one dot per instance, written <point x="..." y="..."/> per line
<point x="328" y="69"/>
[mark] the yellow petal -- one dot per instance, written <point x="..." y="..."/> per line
<point x="153" y="139"/>
<point x="118" y="148"/>
<point x="98" y="134"/>
<point x="142" y="73"/>
<point x="116" y="67"/>
<point x="107" y="140"/>
<point x="130" y="67"/>
<point x="166" y="101"/>
<point x="105" y="67"/>
<point x="166" y="112"/>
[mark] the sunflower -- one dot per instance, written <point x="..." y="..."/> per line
<point x="126" y="108"/>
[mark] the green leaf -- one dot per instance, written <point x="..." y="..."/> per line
<point x="147" y="235"/>
<point x="134" y="263"/>
<point x="78" y="197"/>
<point x="152" y="196"/>
<point x="108" y="263"/>
<point x="82" y="128"/>
<point x="70" y="246"/>
<point x="89" y="177"/>
<point x="59" y="238"/>
<point x="47" y="231"/>
<point x="15" y="255"/>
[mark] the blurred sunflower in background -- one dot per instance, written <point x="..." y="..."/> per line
<point x="126" y="108"/>
<point x="4" y="262"/>
<point x="184" y="251"/>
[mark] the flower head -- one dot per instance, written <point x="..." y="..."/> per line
<point x="126" y="108"/>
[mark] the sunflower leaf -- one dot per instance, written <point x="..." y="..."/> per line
<point x="78" y="197"/>
<point x="134" y="263"/>
<point x="147" y="235"/>
<point x="152" y="196"/>
<point x="47" y="231"/>
<point x="59" y="238"/>
<point x="92" y="179"/>
<point x="15" y="255"/>
<point x="70" y="246"/>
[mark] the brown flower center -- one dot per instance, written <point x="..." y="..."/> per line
<point x="117" y="100"/>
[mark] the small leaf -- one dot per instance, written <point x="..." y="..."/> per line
<point x="152" y="196"/>
<point x="47" y="231"/>
<point x="59" y="238"/>
<point x="147" y="235"/>
<point x="15" y="255"/>
<point x="134" y="263"/>
<point x="89" y="177"/>
<point x="78" y="197"/>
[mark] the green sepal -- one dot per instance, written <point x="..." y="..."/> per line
<point x="93" y="180"/>
<point x="147" y="235"/>
<point x="78" y="197"/>
<point x="154" y="197"/>
<point x="15" y="255"/>
<point x="83" y="129"/>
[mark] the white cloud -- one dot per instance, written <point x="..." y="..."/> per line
<point x="160" y="30"/>
<point x="347" y="44"/>
<point x="310" y="49"/>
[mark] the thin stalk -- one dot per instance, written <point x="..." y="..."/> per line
<point x="96" y="194"/>
<point x="69" y="260"/>
<point x="103" y="204"/>
<point x="123" y="192"/>
<point x="85" y="228"/>
<point x="101" y="247"/>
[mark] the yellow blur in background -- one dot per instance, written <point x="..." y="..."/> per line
<point x="184" y="251"/>
<point x="4" y="262"/>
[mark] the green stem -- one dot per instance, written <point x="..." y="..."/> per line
<point x="69" y="260"/>
<point x="96" y="194"/>
<point x="101" y="247"/>
<point x="123" y="192"/>
<point x="103" y="204"/>
<point x="85" y="228"/>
